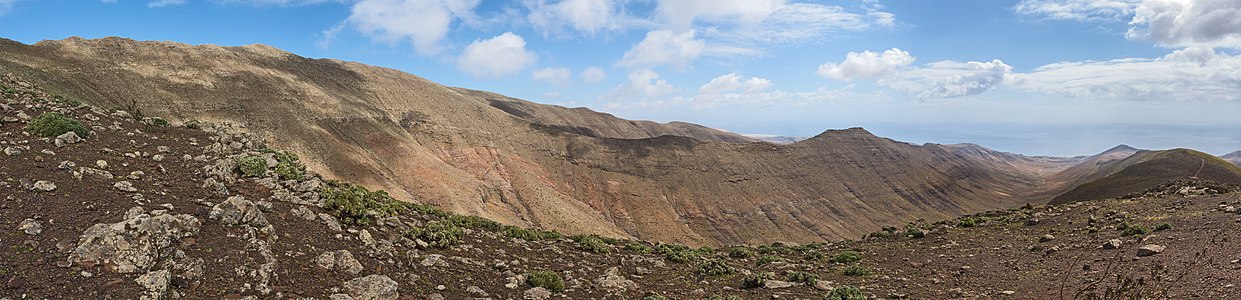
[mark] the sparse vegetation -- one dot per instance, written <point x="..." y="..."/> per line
<point x="193" y="124"/>
<point x="714" y="267"/>
<point x="591" y="243"/>
<point x="159" y="122"/>
<point x="546" y="279"/>
<point x="654" y="297"/>
<point x="638" y="247"/>
<point x="766" y="259"/>
<point x="1131" y="229"/>
<point x="967" y="222"/>
<point x="814" y="255"/>
<point x="856" y="270"/>
<point x="353" y="204"/>
<point x="252" y="166"/>
<point x="847" y="292"/>
<point x="473" y="222"/>
<point x="847" y="257"/>
<point x="289" y="172"/>
<point x="438" y="234"/>
<point x="755" y="280"/>
<point x="740" y="253"/>
<point x="803" y="277"/>
<point x="1163" y="226"/>
<point x="522" y="233"/>
<point x="52" y="124"/>
<point x="677" y="253"/>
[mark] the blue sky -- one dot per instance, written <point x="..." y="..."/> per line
<point x="1040" y="77"/>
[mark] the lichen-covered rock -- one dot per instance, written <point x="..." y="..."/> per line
<point x="44" y="186"/>
<point x="157" y="284"/>
<point x="613" y="281"/>
<point x="137" y="243"/>
<point x="31" y="227"/>
<point x="239" y="211"/>
<point x="373" y="287"/>
<point x="125" y="186"/>
<point x="339" y="260"/>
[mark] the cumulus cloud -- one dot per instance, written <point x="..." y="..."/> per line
<point x="164" y="3"/>
<point x="1167" y="23"/>
<point x="1186" y="23"/>
<point x="732" y="82"/>
<point x="663" y="47"/>
<point x="1192" y="74"/>
<point x="681" y="14"/>
<point x="500" y="56"/>
<point x="424" y="23"/>
<point x="762" y="99"/>
<point x="556" y="76"/>
<point x="947" y="79"/>
<point x="867" y="65"/>
<point x="593" y="75"/>
<point x="643" y="85"/>
<point x="584" y="16"/>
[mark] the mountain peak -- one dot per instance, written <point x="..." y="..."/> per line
<point x="1234" y="154"/>
<point x="1122" y="148"/>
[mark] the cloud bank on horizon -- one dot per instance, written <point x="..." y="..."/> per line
<point x="737" y="63"/>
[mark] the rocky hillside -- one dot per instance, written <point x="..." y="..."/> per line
<point x="102" y="204"/>
<point x="521" y="163"/>
<point x="1234" y="157"/>
<point x="1147" y="169"/>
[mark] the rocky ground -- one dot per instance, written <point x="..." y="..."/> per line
<point x="137" y="208"/>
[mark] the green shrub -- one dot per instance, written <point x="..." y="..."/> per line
<point x="193" y="124"/>
<point x="967" y="222"/>
<point x="438" y="234"/>
<point x="914" y="231"/>
<point x="755" y="280"/>
<point x="546" y="279"/>
<point x="729" y="297"/>
<point x="353" y="204"/>
<point x="638" y="247"/>
<point x="847" y="257"/>
<point x="847" y="292"/>
<point x="683" y="256"/>
<point x="814" y="255"/>
<point x="803" y="278"/>
<point x="53" y="124"/>
<point x="474" y="222"/>
<point x="1131" y="229"/>
<point x="766" y="259"/>
<point x="551" y="235"/>
<point x="288" y="171"/>
<point x="67" y="102"/>
<point x="592" y="243"/>
<point x="740" y="252"/>
<point x="522" y="233"/>
<point x="856" y="270"/>
<point x="281" y="156"/>
<point x="1163" y="226"/>
<point x="252" y="166"/>
<point x="714" y="267"/>
<point x="654" y="297"/>
<point x="159" y="122"/>
<point x="767" y="249"/>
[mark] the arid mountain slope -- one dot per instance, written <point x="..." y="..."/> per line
<point x="1234" y="157"/>
<point x="1147" y="169"/>
<point x="522" y="163"/>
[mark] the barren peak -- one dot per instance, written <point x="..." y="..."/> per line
<point x="1122" y="148"/>
<point x="113" y="41"/>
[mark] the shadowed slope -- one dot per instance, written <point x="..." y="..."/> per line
<point x="1148" y="169"/>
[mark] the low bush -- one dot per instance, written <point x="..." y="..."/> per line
<point x="856" y="270"/>
<point x="967" y="222"/>
<point x="847" y="257"/>
<point x="638" y="247"/>
<point x="288" y="171"/>
<point x="193" y="124"/>
<point x="474" y="222"/>
<point x="546" y="279"/>
<point x="740" y="253"/>
<point x="53" y="124"/>
<point x="847" y="292"/>
<point x="159" y="122"/>
<point x="1131" y="229"/>
<point x="1163" y="226"/>
<point x="438" y="234"/>
<point x="803" y="278"/>
<point x="766" y="259"/>
<point x="252" y="166"/>
<point x="654" y="297"/>
<point x="814" y="255"/>
<point x="353" y="204"/>
<point x="529" y="234"/>
<point x="592" y="243"/>
<point x="714" y="267"/>
<point x="755" y="280"/>
<point x="677" y="253"/>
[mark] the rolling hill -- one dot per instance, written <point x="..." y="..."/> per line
<point x="1234" y="157"/>
<point x="1147" y="169"/>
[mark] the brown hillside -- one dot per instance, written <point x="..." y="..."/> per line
<point x="521" y="163"/>
<point x="1148" y="169"/>
<point x="1234" y="157"/>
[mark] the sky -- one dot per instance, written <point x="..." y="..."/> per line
<point x="1037" y="77"/>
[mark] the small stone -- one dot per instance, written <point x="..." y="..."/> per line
<point x="162" y="149"/>
<point x="1151" y="249"/>
<point x="1008" y="292"/>
<point x="1112" y="244"/>
<point x="31" y="227"/>
<point x="68" y="138"/>
<point x="373" y="287"/>
<point x="44" y="185"/>
<point x="440" y="287"/>
<point x="434" y="260"/>
<point x="125" y="186"/>
<point x="476" y="290"/>
<point x="10" y="151"/>
<point x="1046" y="238"/>
<point x="102" y="164"/>
<point x="777" y="284"/>
<point x="537" y="293"/>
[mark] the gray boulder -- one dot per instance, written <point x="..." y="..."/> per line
<point x="339" y="260"/>
<point x="137" y="243"/>
<point x="373" y="287"/>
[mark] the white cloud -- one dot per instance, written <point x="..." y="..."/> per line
<point x="1186" y="23"/>
<point x="732" y="82"/>
<point x="643" y="85"/>
<point x="1193" y="74"/>
<point x="947" y="79"/>
<point x="708" y="101"/>
<point x="1077" y="10"/>
<point x="425" y="23"/>
<point x="585" y="16"/>
<point x="593" y="75"/>
<point x="500" y="56"/>
<point x="762" y="22"/>
<point x="662" y="47"/>
<point x="556" y="76"/>
<point x="163" y="3"/>
<point x="680" y="14"/>
<point x="1167" y="23"/>
<point x="867" y="65"/>
<point x="271" y="2"/>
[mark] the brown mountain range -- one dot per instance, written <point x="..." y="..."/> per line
<point x="569" y="169"/>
